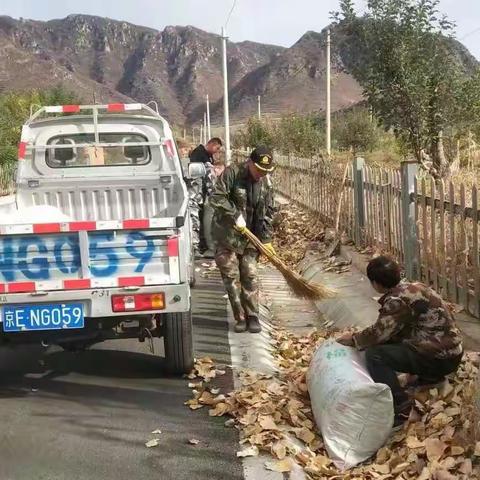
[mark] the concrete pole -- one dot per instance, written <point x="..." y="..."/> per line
<point x="209" y="129"/>
<point x="201" y="133"/>
<point x="259" y="107"/>
<point x="328" y="103"/>
<point x="185" y="133"/>
<point x="193" y="134"/>
<point x="204" y="128"/>
<point x="226" y="113"/>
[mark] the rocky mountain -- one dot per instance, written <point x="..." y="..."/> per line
<point x="117" y="61"/>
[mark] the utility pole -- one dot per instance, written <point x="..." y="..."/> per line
<point x="201" y="133"/>
<point x="205" y="128"/>
<point x="225" y="96"/>
<point x="185" y="133"/>
<point x="259" y="107"/>
<point x="328" y="103"/>
<point x="209" y="130"/>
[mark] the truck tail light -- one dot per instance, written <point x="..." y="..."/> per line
<point x="139" y="302"/>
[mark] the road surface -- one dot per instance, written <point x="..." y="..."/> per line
<point x="88" y="415"/>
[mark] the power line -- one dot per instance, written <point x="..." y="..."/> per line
<point x="230" y="14"/>
<point x="470" y="33"/>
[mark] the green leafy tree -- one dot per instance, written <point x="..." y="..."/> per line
<point x="256" y="132"/>
<point x="298" y="134"/>
<point x="15" y="110"/>
<point x="355" y="130"/>
<point x="410" y="76"/>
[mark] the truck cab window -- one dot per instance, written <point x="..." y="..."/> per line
<point x="82" y="151"/>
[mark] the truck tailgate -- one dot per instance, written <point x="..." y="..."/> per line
<point x="88" y="259"/>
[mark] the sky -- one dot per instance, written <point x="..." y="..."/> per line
<point x="279" y="22"/>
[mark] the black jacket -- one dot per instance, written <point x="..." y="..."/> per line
<point x="201" y="155"/>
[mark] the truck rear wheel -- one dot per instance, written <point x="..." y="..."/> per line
<point x="178" y="338"/>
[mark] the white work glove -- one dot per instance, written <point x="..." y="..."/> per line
<point x="240" y="223"/>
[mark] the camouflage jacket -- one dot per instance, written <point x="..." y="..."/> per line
<point x="234" y="194"/>
<point x="416" y="315"/>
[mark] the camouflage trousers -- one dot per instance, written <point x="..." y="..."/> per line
<point x="239" y="274"/>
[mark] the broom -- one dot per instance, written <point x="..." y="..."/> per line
<point x="301" y="287"/>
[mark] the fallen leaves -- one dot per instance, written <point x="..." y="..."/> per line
<point x="273" y="416"/>
<point x="152" y="443"/>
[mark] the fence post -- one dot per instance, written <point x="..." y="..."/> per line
<point x="410" y="244"/>
<point x="359" y="201"/>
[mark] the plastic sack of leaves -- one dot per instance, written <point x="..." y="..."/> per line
<point x="354" y="414"/>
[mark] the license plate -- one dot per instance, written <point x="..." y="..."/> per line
<point x="20" y="318"/>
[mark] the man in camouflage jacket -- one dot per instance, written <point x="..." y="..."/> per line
<point x="415" y="333"/>
<point x="243" y="198"/>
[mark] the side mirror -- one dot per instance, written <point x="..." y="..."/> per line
<point x="196" y="170"/>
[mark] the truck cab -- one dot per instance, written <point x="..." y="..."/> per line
<point x="97" y="244"/>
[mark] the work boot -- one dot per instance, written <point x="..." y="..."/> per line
<point x="240" y="326"/>
<point x="254" y="325"/>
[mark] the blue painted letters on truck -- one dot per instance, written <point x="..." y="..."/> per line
<point x="37" y="257"/>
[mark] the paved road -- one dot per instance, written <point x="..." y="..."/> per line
<point x="87" y="416"/>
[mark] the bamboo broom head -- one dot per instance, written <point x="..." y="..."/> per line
<point x="300" y="287"/>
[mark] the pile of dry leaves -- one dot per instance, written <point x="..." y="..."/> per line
<point x="294" y="231"/>
<point x="273" y="415"/>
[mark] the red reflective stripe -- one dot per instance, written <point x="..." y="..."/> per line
<point x="116" y="107"/>
<point x="172" y="247"/>
<point x="139" y="223"/>
<point x="71" y="108"/>
<point x="77" y="284"/>
<point x="131" y="281"/>
<point x="22" y="150"/>
<point x="21" y="287"/>
<point x="46" y="228"/>
<point x="169" y="147"/>
<point x="78" y="226"/>
<point x="3" y="288"/>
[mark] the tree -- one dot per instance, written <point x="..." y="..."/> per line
<point x="15" y="110"/>
<point x="255" y="133"/>
<point x="410" y="76"/>
<point x="355" y="130"/>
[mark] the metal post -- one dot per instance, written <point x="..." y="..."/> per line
<point x="225" y="97"/>
<point x="259" y="107"/>
<point x="358" y="164"/>
<point x="209" y="130"/>
<point x="410" y="242"/>
<point x="328" y="103"/>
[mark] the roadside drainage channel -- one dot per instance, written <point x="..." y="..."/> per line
<point x="278" y="306"/>
<point x="354" y="303"/>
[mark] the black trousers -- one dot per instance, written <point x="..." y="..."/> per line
<point x="384" y="361"/>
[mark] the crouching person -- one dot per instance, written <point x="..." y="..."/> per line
<point x="415" y="333"/>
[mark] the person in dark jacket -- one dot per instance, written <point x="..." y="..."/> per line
<point x="415" y="333"/>
<point x="243" y="198"/>
<point x="201" y="189"/>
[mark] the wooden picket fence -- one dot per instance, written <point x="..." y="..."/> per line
<point x="431" y="228"/>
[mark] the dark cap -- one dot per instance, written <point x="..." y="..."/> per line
<point x="262" y="157"/>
